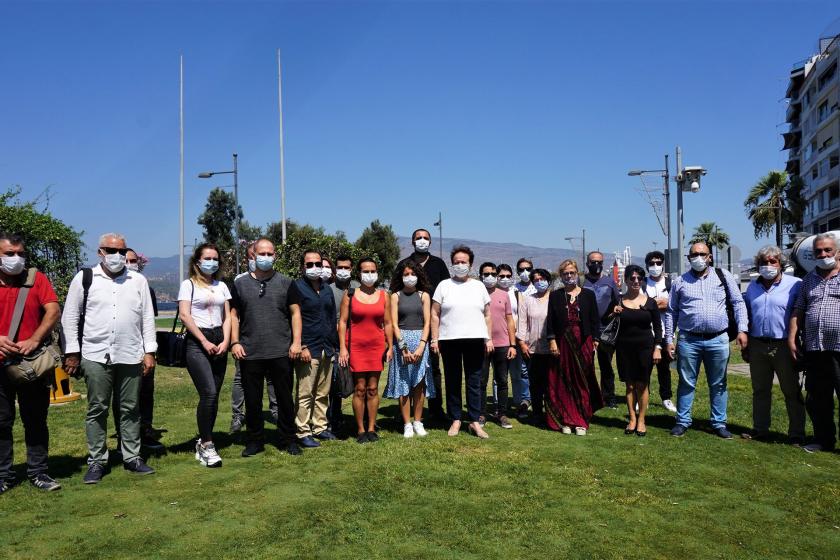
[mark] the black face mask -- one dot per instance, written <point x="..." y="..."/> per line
<point x="595" y="268"/>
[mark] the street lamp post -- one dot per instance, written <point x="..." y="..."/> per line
<point x="235" y="173"/>
<point x="666" y="193"/>
<point x="582" y="245"/>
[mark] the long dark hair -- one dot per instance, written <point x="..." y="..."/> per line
<point x="195" y="269"/>
<point x="397" y="279"/>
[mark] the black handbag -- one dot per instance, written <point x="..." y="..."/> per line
<point x="609" y="334"/>
<point x="172" y="346"/>
<point x="343" y="375"/>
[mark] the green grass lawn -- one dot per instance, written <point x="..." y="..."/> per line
<point x="525" y="493"/>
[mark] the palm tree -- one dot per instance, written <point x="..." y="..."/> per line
<point x="711" y="234"/>
<point x="775" y="201"/>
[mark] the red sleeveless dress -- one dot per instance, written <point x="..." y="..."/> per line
<point x="367" y="334"/>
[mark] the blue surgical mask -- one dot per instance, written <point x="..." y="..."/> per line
<point x="252" y="265"/>
<point x="541" y="286"/>
<point x="209" y="267"/>
<point x="265" y="263"/>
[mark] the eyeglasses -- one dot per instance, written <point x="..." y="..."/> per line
<point x="693" y="255"/>
<point x="505" y="275"/>
<point x="132" y="261"/>
<point x="568" y="273"/>
<point x="311" y="264"/>
<point x="822" y="250"/>
<point x="262" y="288"/>
<point x="112" y="251"/>
<point x="488" y="274"/>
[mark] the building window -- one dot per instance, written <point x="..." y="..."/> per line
<point x="828" y="75"/>
<point x="833" y="161"/>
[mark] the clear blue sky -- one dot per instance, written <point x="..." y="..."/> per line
<point x="518" y="120"/>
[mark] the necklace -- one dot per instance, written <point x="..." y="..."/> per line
<point x="570" y="298"/>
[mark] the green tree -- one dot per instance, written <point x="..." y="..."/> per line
<point x="249" y="233"/>
<point x="380" y="240"/>
<point x="774" y="192"/>
<point x="711" y="234"/>
<point x="52" y="247"/>
<point x="300" y="238"/>
<point x="219" y="218"/>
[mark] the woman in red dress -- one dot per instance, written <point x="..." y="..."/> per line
<point x="573" y="392"/>
<point x="364" y="333"/>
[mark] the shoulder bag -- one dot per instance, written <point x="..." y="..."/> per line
<point x="172" y="346"/>
<point x="41" y="363"/>
<point x="344" y="377"/>
<point x="731" y="323"/>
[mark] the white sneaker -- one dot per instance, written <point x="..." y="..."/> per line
<point x="198" y="450"/>
<point x="812" y="447"/>
<point x="208" y="456"/>
<point x="419" y="430"/>
<point x="580" y="431"/>
<point x="669" y="405"/>
<point x="408" y="431"/>
<point x="565" y="430"/>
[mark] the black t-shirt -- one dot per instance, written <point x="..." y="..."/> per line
<point x="435" y="269"/>
<point x="265" y="328"/>
<point x="316" y="312"/>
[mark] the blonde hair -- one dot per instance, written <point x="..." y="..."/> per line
<point x="567" y="263"/>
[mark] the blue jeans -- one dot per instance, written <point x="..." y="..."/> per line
<point x="519" y="380"/>
<point x="714" y="355"/>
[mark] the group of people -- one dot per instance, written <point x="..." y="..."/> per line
<point x="302" y="335"/>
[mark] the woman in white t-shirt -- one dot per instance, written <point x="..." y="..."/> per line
<point x="204" y="308"/>
<point x="461" y="333"/>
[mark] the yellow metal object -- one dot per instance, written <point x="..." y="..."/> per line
<point x="63" y="390"/>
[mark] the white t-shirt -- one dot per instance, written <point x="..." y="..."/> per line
<point x="657" y="290"/>
<point x="462" y="309"/>
<point x="208" y="302"/>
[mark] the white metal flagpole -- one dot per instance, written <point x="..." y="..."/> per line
<point x="181" y="198"/>
<point x="282" y="154"/>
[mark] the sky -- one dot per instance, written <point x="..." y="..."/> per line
<point x="517" y="120"/>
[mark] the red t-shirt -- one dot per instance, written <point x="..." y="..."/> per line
<point x="40" y="294"/>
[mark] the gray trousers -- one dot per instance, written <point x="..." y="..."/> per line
<point x="237" y="396"/>
<point x="766" y="359"/>
<point x="123" y="382"/>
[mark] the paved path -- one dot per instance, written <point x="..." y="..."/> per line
<point x="744" y="371"/>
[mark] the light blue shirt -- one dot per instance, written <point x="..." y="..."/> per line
<point x="698" y="305"/>
<point x="770" y="309"/>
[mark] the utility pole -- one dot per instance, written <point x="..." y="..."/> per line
<point x="680" y="240"/>
<point x="667" y="193"/>
<point x="439" y="225"/>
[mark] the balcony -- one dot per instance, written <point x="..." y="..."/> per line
<point x="792" y="139"/>
<point x="793" y="110"/>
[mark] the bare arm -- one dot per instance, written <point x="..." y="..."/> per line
<point x="796" y="318"/>
<point x="235" y="346"/>
<point x="343" y="354"/>
<point x="488" y="344"/>
<point x="511" y="353"/>
<point x="51" y="314"/>
<point x="389" y="329"/>
<point x="295" y="351"/>
<point x="435" y="327"/>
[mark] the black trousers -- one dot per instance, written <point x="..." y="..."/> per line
<point x="254" y="374"/>
<point x="538" y="376"/>
<point x="822" y="381"/>
<point x="208" y="374"/>
<point x="463" y="358"/>
<point x="605" y="356"/>
<point x="436" y="403"/>
<point x="663" y="374"/>
<point x="34" y="402"/>
<point x="501" y="365"/>
<point x="334" y="415"/>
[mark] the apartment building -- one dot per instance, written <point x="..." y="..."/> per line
<point x="813" y="139"/>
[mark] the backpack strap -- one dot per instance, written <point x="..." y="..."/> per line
<point x="87" y="280"/>
<point x="17" y="314"/>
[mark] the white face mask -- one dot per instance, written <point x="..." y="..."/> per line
<point x="826" y="263"/>
<point x="768" y="272"/>
<point x="570" y="280"/>
<point x="460" y="270"/>
<point x="114" y="263"/>
<point x="489" y="281"/>
<point x="369" y="278"/>
<point x="525" y="276"/>
<point x="698" y="264"/>
<point x="409" y="281"/>
<point x="342" y="274"/>
<point x="133" y="267"/>
<point x="655" y="270"/>
<point x="326" y="274"/>
<point x="313" y="273"/>
<point x="505" y="283"/>
<point x="12" y="265"/>
<point x="252" y="265"/>
<point x="422" y="245"/>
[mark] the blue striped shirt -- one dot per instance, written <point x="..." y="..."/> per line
<point x="698" y="304"/>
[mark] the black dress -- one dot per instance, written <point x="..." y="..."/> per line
<point x="640" y="330"/>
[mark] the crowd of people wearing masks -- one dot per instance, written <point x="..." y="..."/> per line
<point x="439" y="334"/>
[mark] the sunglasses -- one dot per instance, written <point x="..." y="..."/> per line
<point x="113" y="251"/>
<point x="505" y="276"/>
<point x="14" y="253"/>
<point x="634" y="279"/>
<point x="693" y="255"/>
<point x="312" y="264"/>
<point x="655" y="262"/>
<point x="487" y="274"/>
<point x="132" y="261"/>
<point x="525" y="268"/>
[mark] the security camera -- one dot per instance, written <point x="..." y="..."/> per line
<point x="690" y="178"/>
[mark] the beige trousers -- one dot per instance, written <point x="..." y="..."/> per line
<point x="312" y="394"/>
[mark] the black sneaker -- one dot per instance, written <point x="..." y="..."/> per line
<point x="326" y="435"/>
<point x="138" y="466"/>
<point x="308" y="441"/>
<point x="149" y="442"/>
<point x="252" y="449"/>
<point x="522" y="411"/>
<point x="723" y="433"/>
<point x="756" y="435"/>
<point x="373" y="436"/>
<point x="293" y="449"/>
<point x="44" y="482"/>
<point x="612" y="404"/>
<point x="94" y="473"/>
<point x="362" y="438"/>
<point x="679" y="430"/>
<point x="5" y="486"/>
